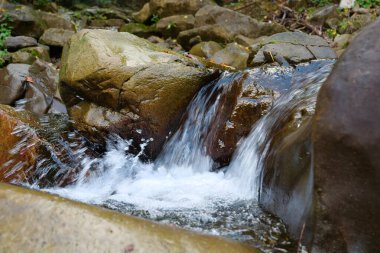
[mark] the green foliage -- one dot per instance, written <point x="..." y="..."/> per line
<point x="155" y="18"/>
<point x="320" y="3"/>
<point x="331" y="33"/>
<point x="40" y="4"/>
<point x="5" y="32"/>
<point x="171" y="25"/>
<point x="368" y="3"/>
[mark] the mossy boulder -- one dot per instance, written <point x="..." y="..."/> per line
<point x="147" y="87"/>
<point x="30" y="54"/>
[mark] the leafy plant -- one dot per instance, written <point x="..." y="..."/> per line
<point x="368" y="3"/>
<point x="320" y="3"/>
<point x="5" y="32"/>
<point x="155" y="18"/>
<point x="40" y="4"/>
<point x="171" y="25"/>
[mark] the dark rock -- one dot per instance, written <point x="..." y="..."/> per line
<point x="346" y="140"/>
<point x="173" y="25"/>
<point x="56" y="37"/>
<point x="14" y="43"/>
<point x="242" y="106"/>
<point x="23" y="21"/>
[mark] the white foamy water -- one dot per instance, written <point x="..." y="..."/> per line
<point x="180" y="187"/>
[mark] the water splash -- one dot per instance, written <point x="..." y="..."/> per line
<point x="180" y="187"/>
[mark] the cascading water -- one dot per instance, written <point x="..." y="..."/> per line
<point x="180" y="187"/>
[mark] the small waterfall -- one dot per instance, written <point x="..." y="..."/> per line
<point x="247" y="162"/>
<point x="180" y="187"/>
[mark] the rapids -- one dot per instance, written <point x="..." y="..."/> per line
<point x="182" y="187"/>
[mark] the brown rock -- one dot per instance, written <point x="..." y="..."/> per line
<point x="18" y="151"/>
<point x="346" y="137"/>
<point x="173" y="25"/>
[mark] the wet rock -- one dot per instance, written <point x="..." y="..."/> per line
<point x="11" y="78"/>
<point x="346" y="139"/>
<point x="241" y="108"/>
<point x="294" y="47"/>
<point x="56" y="37"/>
<point x="232" y="55"/>
<point x="173" y="25"/>
<point x="148" y="85"/>
<point x="53" y="222"/>
<point x="17" y="161"/>
<point x="235" y="23"/>
<point x="216" y="33"/>
<point x="18" y="42"/>
<point x="30" y="55"/>
<point x="140" y="30"/>
<point x="206" y="49"/>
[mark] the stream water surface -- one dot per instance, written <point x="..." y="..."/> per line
<point x="181" y="186"/>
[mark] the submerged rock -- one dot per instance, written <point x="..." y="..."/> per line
<point x="48" y="222"/>
<point x="147" y="87"/>
<point x="17" y="161"/>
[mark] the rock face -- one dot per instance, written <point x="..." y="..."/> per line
<point x="346" y="137"/>
<point x="134" y="84"/>
<point x="17" y="161"/>
<point x="292" y="47"/>
<point x="57" y="224"/>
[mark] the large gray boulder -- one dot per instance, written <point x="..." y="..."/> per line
<point x="140" y="90"/>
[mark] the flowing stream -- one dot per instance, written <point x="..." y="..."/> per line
<point x="181" y="187"/>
